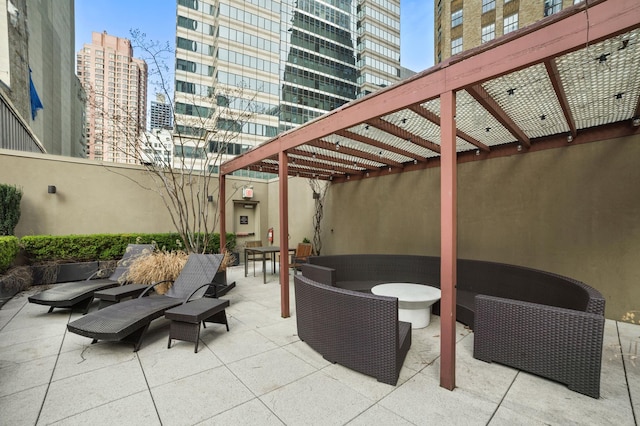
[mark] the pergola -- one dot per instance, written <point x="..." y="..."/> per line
<point x="571" y="78"/>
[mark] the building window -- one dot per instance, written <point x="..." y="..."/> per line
<point x="488" y="5"/>
<point x="577" y="1"/>
<point x="552" y="6"/>
<point x="488" y="32"/>
<point x="456" y="18"/>
<point x="456" y="45"/>
<point x="510" y="23"/>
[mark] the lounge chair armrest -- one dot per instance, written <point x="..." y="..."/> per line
<point x="199" y="289"/>
<point x="152" y="286"/>
<point x="90" y="277"/>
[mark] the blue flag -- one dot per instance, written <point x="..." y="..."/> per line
<point x="36" y="104"/>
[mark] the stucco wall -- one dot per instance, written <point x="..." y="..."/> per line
<point x="92" y="197"/>
<point x="301" y="211"/>
<point x="573" y="211"/>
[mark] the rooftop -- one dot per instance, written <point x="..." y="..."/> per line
<point x="261" y="373"/>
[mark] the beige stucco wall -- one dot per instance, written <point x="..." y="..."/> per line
<point x="93" y="197"/>
<point x="573" y="211"/>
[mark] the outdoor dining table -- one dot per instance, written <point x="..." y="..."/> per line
<point x="263" y="251"/>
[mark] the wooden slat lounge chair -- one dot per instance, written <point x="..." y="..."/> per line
<point x="301" y="256"/>
<point x="79" y="294"/>
<point x="129" y="320"/>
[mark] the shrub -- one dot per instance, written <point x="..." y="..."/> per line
<point x="8" y="251"/>
<point x="42" y="248"/>
<point x="10" y="197"/>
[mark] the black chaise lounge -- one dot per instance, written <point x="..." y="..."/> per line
<point x="128" y="321"/>
<point x="79" y="294"/>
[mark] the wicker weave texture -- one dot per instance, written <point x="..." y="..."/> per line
<point x="117" y="322"/>
<point x="536" y="321"/>
<point x="357" y="330"/>
<point x="560" y="344"/>
<point x="80" y="293"/>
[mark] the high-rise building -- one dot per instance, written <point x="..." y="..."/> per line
<point x="36" y="50"/>
<point x="464" y="24"/>
<point x="378" y="44"/>
<point x="116" y="86"/>
<point x="285" y="61"/>
<point x="156" y="147"/>
<point x="161" y="116"/>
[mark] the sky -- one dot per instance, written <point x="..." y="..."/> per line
<point x="157" y="19"/>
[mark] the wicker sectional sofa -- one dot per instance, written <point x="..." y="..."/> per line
<point x="535" y="321"/>
<point x="357" y="330"/>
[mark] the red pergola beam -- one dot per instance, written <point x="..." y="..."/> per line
<point x="401" y="133"/>
<point x="488" y="103"/>
<point x="380" y="145"/>
<point x="554" y="76"/>
<point x="515" y="51"/>
<point x="428" y="115"/>
<point x="283" y="204"/>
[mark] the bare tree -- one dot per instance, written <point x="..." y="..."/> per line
<point x="185" y="180"/>
<point x="319" y="193"/>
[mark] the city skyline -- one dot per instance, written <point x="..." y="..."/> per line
<point x="157" y="21"/>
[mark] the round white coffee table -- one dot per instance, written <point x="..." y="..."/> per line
<point x="414" y="301"/>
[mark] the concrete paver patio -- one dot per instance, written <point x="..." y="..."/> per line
<point x="261" y="373"/>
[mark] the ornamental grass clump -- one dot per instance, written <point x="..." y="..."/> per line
<point x="158" y="266"/>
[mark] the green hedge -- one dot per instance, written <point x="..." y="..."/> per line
<point x="104" y="246"/>
<point x="10" y="197"/>
<point x="9" y="248"/>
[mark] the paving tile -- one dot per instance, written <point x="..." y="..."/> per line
<point x="22" y="408"/>
<point x="19" y="376"/>
<point x="79" y="393"/>
<point x="538" y="398"/>
<point x="270" y="370"/>
<point x="234" y="346"/>
<point x="30" y="334"/>
<point x="425" y="346"/>
<point x="487" y="380"/>
<point x="378" y="415"/>
<point x="316" y="400"/>
<point x="365" y="385"/>
<point x="161" y="367"/>
<point x="199" y="397"/>
<point x="507" y="417"/>
<point x="31" y="350"/>
<point x="282" y="333"/>
<point x="253" y="412"/>
<point x="91" y="358"/>
<point x="421" y="400"/>
<point x="305" y="352"/>
<point x="630" y="350"/>
<point x="136" y="409"/>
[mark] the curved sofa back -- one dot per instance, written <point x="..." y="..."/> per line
<point x="382" y="268"/>
<point x="473" y="276"/>
<point x="527" y="285"/>
<point x="357" y="330"/>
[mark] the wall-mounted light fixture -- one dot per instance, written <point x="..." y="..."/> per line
<point x="569" y="138"/>
<point x="636" y="121"/>
<point x="51" y="189"/>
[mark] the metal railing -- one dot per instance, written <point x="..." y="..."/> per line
<point x="14" y="133"/>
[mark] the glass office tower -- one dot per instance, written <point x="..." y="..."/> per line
<point x="286" y="61"/>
